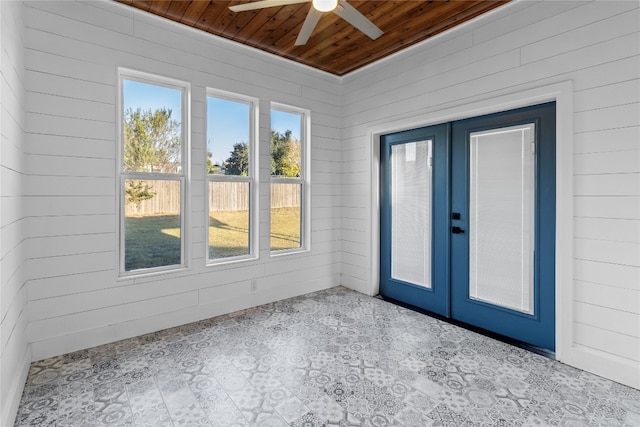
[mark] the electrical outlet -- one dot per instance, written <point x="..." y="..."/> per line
<point x="254" y="285"/>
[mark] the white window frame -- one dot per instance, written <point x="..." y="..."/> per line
<point x="254" y="250"/>
<point x="183" y="177"/>
<point x="303" y="179"/>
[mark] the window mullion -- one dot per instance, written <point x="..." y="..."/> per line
<point x="152" y="176"/>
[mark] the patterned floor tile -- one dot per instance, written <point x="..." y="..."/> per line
<point x="331" y="358"/>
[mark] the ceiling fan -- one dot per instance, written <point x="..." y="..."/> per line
<point x="339" y="7"/>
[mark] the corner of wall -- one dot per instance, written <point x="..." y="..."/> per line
<point x="11" y="403"/>
<point x="15" y="352"/>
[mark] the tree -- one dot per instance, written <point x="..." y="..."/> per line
<point x="212" y="168"/>
<point x="152" y="141"/>
<point x="138" y="191"/>
<point x="285" y="154"/>
<point x="238" y="161"/>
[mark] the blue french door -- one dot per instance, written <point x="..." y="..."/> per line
<point x="414" y="181"/>
<point x="503" y="223"/>
<point x="490" y="250"/>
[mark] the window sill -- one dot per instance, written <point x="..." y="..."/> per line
<point x="285" y="252"/>
<point x="151" y="272"/>
<point x="231" y="260"/>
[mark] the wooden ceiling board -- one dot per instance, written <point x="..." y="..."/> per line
<point x="207" y="17"/>
<point x="159" y="6"/>
<point x="286" y="33"/>
<point x="193" y="13"/>
<point x="175" y="11"/>
<point x="335" y="46"/>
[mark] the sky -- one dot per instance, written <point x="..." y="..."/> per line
<point x="227" y="121"/>
<point x="228" y="124"/>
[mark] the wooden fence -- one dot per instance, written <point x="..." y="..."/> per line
<point x="223" y="196"/>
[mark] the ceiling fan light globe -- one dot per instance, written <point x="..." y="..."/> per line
<point x="325" y="5"/>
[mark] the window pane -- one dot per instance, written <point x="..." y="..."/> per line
<point x="152" y="128"/>
<point x="286" y="130"/>
<point x="228" y="219"/>
<point x="228" y="134"/>
<point x="501" y="212"/>
<point x="411" y="185"/>
<point x="152" y="223"/>
<point x="285" y="216"/>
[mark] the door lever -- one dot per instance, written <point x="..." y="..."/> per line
<point x="457" y="230"/>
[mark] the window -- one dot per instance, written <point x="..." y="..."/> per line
<point x="289" y="175"/>
<point x="231" y="187"/>
<point x="153" y="170"/>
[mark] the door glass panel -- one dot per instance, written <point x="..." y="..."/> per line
<point x="411" y="177"/>
<point x="501" y="217"/>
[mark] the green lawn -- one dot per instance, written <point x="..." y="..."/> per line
<point x="151" y="241"/>
<point x="228" y="233"/>
<point x="154" y="241"/>
<point x="285" y="228"/>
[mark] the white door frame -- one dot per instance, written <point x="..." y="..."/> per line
<point x="562" y="94"/>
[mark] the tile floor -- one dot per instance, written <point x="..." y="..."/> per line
<point x="331" y="358"/>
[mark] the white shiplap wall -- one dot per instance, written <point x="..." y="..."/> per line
<point x="75" y="299"/>
<point x="595" y="46"/>
<point x="14" y="352"/>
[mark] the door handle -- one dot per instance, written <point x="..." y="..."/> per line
<point x="457" y="230"/>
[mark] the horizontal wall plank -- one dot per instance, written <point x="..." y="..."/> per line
<point x="53" y="64"/>
<point x="69" y="186"/>
<point x="76" y="322"/>
<point x="621" y="322"/>
<point x="607" y="341"/>
<point x="10" y="181"/>
<point x="47" y="165"/>
<point x="623" y="276"/>
<point x="70" y="126"/>
<point x="70" y="87"/>
<point x="621" y="139"/>
<point x="612" y="297"/>
<point x="620" y="116"/>
<point x="125" y="293"/>
<point x="624" y="253"/>
<point x="54" y="145"/>
<point x="74" y="283"/>
<point x="69" y="206"/>
<point x="619" y="230"/>
<point x="11" y="313"/>
<point x="114" y="332"/>
<point x="611" y="95"/>
<point x="112" y="19"/>
<point x="69" y="225"/>
<point x="622" y="23"/>
<point x="615" y="207"/>
<point x="42" y="247"/>
<point x="40" y="268"/>
<point x="624" y="184"/>
<point x="507" y="22"/>
<point x="607" y="163"/>
<point x="54" y="105"/>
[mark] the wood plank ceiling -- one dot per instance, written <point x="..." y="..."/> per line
<point x="335" y="46"/>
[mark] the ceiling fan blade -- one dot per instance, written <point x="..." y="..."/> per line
<point x="357" y="19"/>
<point x="310" y="23"/>
<point x="263" y="4"/>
